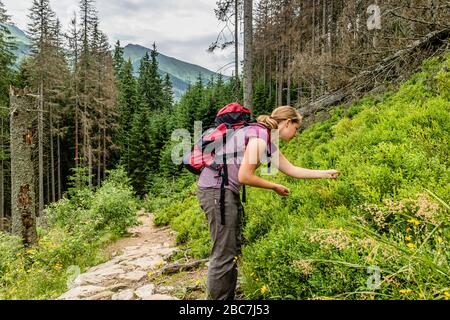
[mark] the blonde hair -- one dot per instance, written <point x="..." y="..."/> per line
<point x="280" y="114"/>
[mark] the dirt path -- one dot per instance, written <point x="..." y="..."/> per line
<point x="133" y="273"/>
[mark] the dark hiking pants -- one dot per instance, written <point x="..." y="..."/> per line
<point x="226" y="240"/>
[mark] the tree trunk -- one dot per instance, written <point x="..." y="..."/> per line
<point x="99" y="159"/>
<point x="2" y="180"/>
<point x="22" y="173"/>
<point x="280" y="79"/>
<point x="58" y="143"/>
<point x="104" y="152"/>
<point x="41" y="147"/>
<point x="89" y="163"/>
<point x="236" y="39"/>
<point x="248" y="53"/>
<point x="52" y="156"/>
<point x="313" y="48"/>
<point x="76" y="130"/>
<point x="288" y="91"/>
<point x="323" y="44"/>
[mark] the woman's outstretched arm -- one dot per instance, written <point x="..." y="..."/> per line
<point x="301" y="173"/>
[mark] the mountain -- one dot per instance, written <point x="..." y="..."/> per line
<point x="22" y="42"/>
<point x="181" y="73"/>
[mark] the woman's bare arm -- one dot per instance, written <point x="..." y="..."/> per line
<point x="252" y="157"/>
<point x="289" y="169"/>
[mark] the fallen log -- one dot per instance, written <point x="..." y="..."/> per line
<point x="392" y="68"/>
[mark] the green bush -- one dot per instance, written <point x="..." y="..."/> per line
<point x="79" y="226"/>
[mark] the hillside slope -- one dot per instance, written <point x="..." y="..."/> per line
<point x="380" y="231"/>
<point x="21" y="40"/>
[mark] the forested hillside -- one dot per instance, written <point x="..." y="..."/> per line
<point x="380" y="231"/>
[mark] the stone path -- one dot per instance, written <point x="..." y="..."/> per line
<point x="125" y="276"/>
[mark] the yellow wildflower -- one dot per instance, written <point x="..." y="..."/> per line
<point x="198" y="282"/>
<point x="408" y="238"/>
<point x="18" y="254"/>
<point x="160" y="263"/>
<point x="414" y="221"/>
<point x="410" y="245"/>
<point x="406" y="291"/>
<point x="408" y="229"/>
<point x="446" y="295"/>
<point x="264" y="289"/>
<point x="150" y="274"/>
<point x="30" y="251"/>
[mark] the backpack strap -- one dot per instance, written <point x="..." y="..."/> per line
<point x="225" y="182"/>
<point x="269" y="151"/>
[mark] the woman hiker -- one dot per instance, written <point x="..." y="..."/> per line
<point x="226" y="237"/>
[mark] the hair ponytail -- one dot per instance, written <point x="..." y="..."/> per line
<point x="268" y="121"/>
<point x="278" y="115"/>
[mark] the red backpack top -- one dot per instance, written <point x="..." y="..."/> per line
<point x="231" y="117"/>
<point x="203" y="154"/>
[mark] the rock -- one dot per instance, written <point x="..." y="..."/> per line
<point x="117" y="287"/>
<point x="133" y="254"/>
<point x="145" y="291"/>
<point x="145" y="263"/>
<point x="105" y="265"/>
<point x="160" y="297"/>
<point x="81" y="292"/>
<point x="106" y="295"/>
<point x="165" y="289"/>
<point x="134" y="276"/>
<point x="99" y="276"/>
<point x="124" y="295"/>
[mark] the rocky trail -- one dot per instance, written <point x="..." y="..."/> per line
<point x="141" y="268"/>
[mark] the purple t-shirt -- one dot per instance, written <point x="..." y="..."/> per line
<point x="208" y="177"/>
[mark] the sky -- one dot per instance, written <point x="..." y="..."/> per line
<point x="182" y="29"/>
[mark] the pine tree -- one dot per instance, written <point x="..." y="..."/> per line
<point x="74" y="53"/>
<point x="139" y="148"/>
<point x="128" y="102"/>
<point x="86" y="77"/>
<point x="167" y="93"/>
<point x="7" y="60"/>
<point x="118" y="60"/>
<point x="150" y="83"/>
<point x="41" y="30"/>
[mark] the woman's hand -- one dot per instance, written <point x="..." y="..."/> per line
<point x="281" y="190"/>
<point x="330" y="174"/>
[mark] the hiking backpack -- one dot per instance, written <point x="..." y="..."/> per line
<point x="230" y="118"/>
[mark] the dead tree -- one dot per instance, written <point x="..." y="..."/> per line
<point x="392" y="69"/>
<point x="23" y="212"/>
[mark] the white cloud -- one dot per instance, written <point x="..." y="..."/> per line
<point x="182" y="29"/>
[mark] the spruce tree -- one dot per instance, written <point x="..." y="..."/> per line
<point x="7" y="60"/>
<point x="41" y="32"/>
<point x="128" y="101"/>
<point x="118" y="60"/>
<point x="168" y="92"/>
